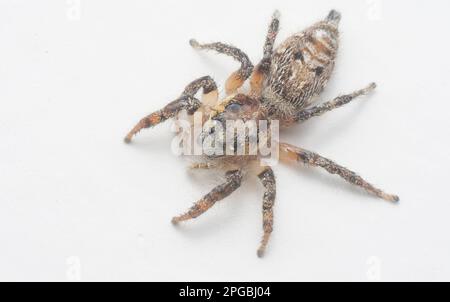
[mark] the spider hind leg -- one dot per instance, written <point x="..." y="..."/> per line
<point x="339" y="101"/>
<point x="293" y="153"/>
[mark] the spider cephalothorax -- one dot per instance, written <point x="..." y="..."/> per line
<point x="283" y="87"/>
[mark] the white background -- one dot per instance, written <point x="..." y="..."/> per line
<point x="78" y="204"/>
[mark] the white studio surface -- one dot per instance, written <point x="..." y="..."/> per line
<point x="76" y="203"/>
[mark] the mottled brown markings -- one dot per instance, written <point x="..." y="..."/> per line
<point x="315" y="57"/>
<point x="320" y="47"/>
<point x="291" y="86"/>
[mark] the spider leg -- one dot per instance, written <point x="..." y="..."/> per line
<point x="261" y="70"/>
<point x="268" y="180"/>
<point x="289" y="152"/>
<point x="232" y="182"/>
<point x="318" y="110"/>
<point x="237" y="78"/>
<point x="186" y="101"/>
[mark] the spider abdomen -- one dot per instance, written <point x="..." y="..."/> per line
<point x="301" y="67"/>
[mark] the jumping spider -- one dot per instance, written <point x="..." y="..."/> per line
<point x="282" y="87"/>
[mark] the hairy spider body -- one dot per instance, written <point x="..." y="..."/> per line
<point x="283" y="85"/>
<point x="300" y="68"/>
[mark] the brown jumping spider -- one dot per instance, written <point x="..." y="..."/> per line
<point x="282" y="87"/>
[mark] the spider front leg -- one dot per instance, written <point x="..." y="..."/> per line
<point x="232" y="182"/>
<point x="186" y="101"/>
<point x="237" y="78"/>
<point x="268" y="180"/>
<point x="289" y="152"/>
<point x="318" y="110"/>
<point x="261" y="70"/>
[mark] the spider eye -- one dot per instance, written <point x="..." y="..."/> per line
<point x="234" y="107"/>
